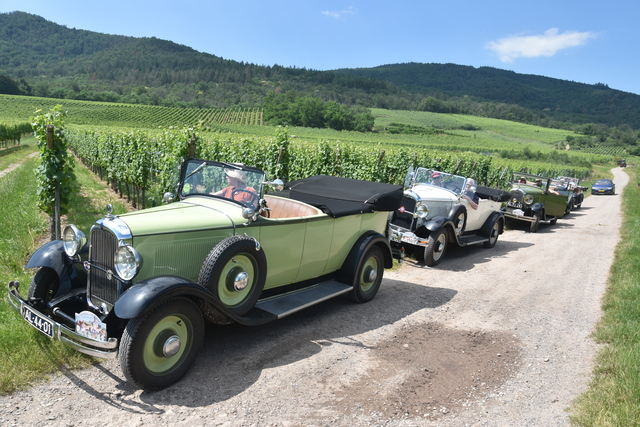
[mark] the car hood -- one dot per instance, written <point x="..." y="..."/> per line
<point x="430" y="193"/>
<point x="526" y="189"/>
<point x="191" y="214"/>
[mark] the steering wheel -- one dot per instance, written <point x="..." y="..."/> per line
<point x="453" y="187"/>
<point x="249" y="203"/>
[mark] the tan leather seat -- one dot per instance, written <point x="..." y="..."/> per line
<point x="287" y="208"/>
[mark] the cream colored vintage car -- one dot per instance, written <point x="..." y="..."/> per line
<point x="439" y="208"/>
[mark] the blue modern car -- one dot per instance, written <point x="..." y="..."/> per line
<point x="603" y="186"/>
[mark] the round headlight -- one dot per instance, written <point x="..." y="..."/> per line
<point x="73" y="240"/>
<point x="127" y="262"/>
<point x="421" y="211"/>
<point x="528" y="199"/>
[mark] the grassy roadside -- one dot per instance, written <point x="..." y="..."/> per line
<point x="26" y="355"/>
<point x="614" y="393"/>
<point x="17" y="154"/>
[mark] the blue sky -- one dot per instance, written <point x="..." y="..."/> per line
<point x="579" y="40"/>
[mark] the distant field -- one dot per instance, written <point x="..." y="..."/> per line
<point x="457" y="133"/>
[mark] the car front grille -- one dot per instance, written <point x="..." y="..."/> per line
<point x="103" y="285"/>
<point x="405" y="219"/>
<point x="517" y="196"/>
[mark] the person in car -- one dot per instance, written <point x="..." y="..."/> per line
<point x="436" y="179"/>
<point x="237" y="188"/>
<point x="470" y="194"/>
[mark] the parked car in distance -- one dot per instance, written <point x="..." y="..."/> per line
<point x="572" y="188"/>
<point x="435" y="212"/>
<point x="533" y="200"/>
<point x="143" y="285"/>
<point x="603" y="186"/>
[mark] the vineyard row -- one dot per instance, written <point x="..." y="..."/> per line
<point x="144" y="165"/>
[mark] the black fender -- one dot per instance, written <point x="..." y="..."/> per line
<point x="52" y="255"/>
<point x="453" y="213"/>
<point x="431" y="226"/>
<point x="486" y="228"/>
<point x="367" y="240"/>
<point x="143" y="294"/>
<point x="537" y="208"/>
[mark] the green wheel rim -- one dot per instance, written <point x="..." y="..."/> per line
<point x="371" y="265"/>
<point x="228" y="294"/>
<point x="171" y="326"/>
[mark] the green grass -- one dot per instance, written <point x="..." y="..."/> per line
<point x="26" y="355"/>
<point x="17" y="153"/>
<point x="613" y="398"/>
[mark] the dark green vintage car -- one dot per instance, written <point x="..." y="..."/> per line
<point x="572" y="188"/>
<point x="534" y="200"/>
<point x="143" y="285"/>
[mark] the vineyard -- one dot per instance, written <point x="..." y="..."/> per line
<point x="128" y="115"/>
<point x="138" y="148"/>
<point x="143" y="165"/>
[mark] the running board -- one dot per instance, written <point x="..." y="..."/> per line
<point x="471" y="239"/>
<point x="289" y="303"/>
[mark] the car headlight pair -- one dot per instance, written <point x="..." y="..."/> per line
<point x="126" y="258"/>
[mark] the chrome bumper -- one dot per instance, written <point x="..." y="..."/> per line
<point x="517" y="216"/>
<point x="400" y="235"/>
<point x="104" y="349"/>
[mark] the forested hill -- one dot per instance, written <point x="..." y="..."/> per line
<point x="51" y="60"/>
<point x="561" y="99"/>
<point x="42" y="58"/>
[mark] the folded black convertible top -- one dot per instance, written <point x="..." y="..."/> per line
<point x="339" y="197"/>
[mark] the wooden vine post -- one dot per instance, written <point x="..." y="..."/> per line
<point x="54" y="173"/>
<point x="56" y="203"/>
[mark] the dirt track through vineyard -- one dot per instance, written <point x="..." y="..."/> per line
<point x="490" y="337"/>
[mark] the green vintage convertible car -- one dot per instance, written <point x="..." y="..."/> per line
<point x="534" y="199"/>
<point x="143" y="285"/>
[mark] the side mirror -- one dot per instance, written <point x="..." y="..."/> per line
<point x="168" y="197"/>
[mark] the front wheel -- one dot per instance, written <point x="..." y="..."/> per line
<point x="159" y="347"/>
<point x="44" y="286"/>
<point x="436" y="246"/>
<point x="368" y="276"/>
<point x="533" y="227"/>
<point x="493" y="235"/>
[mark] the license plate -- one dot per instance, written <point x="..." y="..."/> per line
<point x="514" y="205"/>
<point x="42" y="324"/>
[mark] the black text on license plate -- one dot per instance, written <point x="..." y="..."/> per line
<point x="40" y="323"/>
<point x="514" y="205"/>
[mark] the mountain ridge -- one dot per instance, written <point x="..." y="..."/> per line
<point x="51" y="60"/>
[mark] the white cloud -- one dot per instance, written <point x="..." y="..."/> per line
<point x="341" y="13"/>
<point x="547" y="44"/>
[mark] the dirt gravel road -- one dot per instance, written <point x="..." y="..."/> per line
<point x="490" y="337"/>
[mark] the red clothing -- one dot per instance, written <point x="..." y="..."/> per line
<point x="240" y="196"/>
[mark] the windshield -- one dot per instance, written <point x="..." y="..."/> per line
<point x="520" y="178"/>
<point x="565" y="182"/>
<point x="436" y="178"/>
<point x="230" y="181"/>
